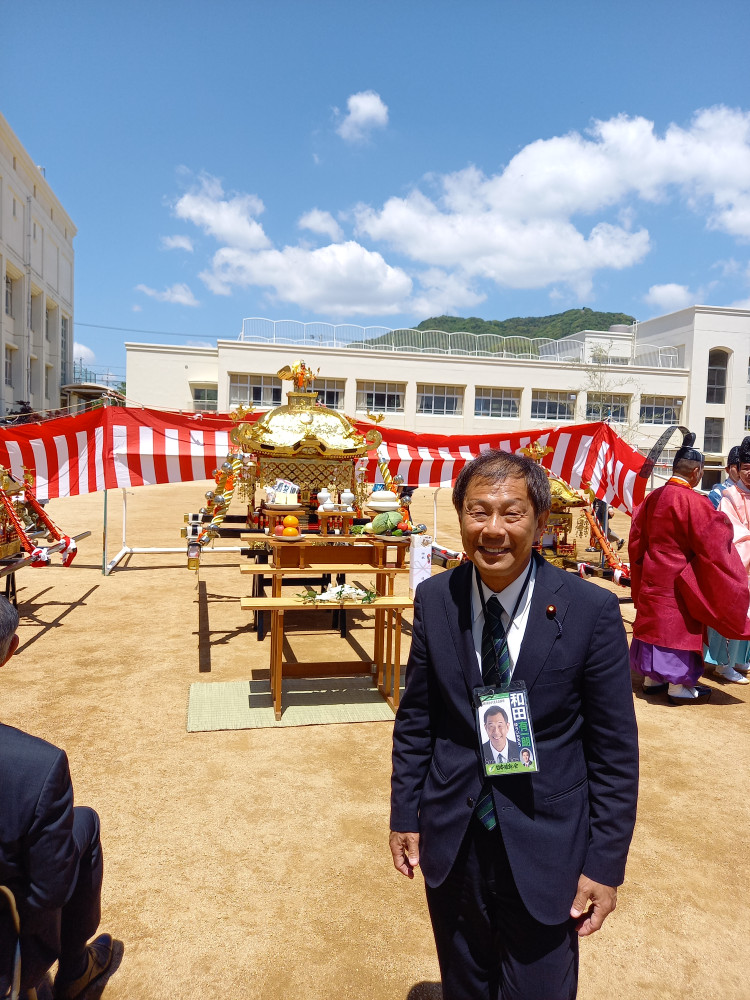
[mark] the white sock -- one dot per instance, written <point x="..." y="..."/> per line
<point x="682" y="691"/>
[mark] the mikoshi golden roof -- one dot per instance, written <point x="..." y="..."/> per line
<point x="563" y="495"/>
<point x="304" y="428"/>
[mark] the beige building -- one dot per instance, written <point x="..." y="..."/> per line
<point x="688" y="368"/>
<point x="713" y="344"/>
<point x="36" y="269"/>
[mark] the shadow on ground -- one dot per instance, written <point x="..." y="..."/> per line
<point x="425" y="991"/>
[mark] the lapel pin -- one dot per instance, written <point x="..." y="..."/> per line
<point x="551" y="613"/>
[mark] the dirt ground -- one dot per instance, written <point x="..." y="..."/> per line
<point x="255" y="863"/>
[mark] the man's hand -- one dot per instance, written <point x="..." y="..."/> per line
<point x="603" y="900"/>
<point x="405" y="851"/>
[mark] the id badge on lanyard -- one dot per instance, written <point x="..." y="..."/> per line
<point x="503" y="720"/>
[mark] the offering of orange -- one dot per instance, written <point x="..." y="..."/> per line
<point x="290" y="521"/>
<point x="290" y="530"/>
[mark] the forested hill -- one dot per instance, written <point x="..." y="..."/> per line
<point x="558" y="325"/>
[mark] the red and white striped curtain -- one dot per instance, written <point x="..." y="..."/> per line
<point x="127" y="447"/>
<point x="115" y="447"/>
<point x="583" y="455"/>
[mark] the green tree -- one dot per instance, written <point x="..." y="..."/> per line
<point x="554" y="326"/>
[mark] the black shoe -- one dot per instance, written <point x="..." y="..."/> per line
<point x="620" y="544"/>
<point x="655" y="688"/>
<point x="704" y="694"/>
<point x="99" y="960"/>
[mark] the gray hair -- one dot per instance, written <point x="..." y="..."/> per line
<point x="8" y="625"/>
<point x="495" y="466"/>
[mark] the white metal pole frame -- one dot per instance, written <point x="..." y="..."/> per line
<point x="104" y="536"/>
<point x="128" y="550"/>
<point x="434" y="511"/>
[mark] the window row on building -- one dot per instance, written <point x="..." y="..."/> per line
<point x="13" y="378"/>
<point x="447" y="400"/>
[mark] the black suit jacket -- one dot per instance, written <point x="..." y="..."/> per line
<point x="577" y="813"/>
<point x="38" y="856"/>
<point x="513" y="752"/>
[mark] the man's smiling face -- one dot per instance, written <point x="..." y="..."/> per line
<point x="499" y="528"/>
<point x="497" y="730"/>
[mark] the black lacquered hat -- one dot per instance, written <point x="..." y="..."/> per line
<point x="687" y="451"/>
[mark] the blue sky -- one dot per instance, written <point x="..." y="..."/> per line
<point x="382" y="162"/>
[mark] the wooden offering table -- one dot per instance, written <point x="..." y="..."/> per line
<point x="350" y="550"/>
<point x="387" y="654"/>
<point x="384" y="575"/>
<point x="313" y="557"/>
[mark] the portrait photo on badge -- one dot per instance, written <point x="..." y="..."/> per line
<point x="504" y="731"/>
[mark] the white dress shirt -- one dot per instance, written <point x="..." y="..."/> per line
<point x="514" y="629"/>
<point x="500" y="756"/>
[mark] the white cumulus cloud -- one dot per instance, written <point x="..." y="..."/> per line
<point x="670" y="297"/>
<point x="321" y="222"/>
<point x="230" y="219"/>
<point x="83" y="353"/>
<point x="482" y="242"/>
<point x="177" y="243"/>
<point x="564" y="209"/>
<point x="524" y="227"/>
<point x="340" y="279"/>
<point x="441" y="293"/>
<point x="365" y="111"/>
<point x="179" y="294"/>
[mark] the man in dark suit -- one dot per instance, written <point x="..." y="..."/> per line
<point x="50" y="857"/>
<point x="498" y="748"/>
<point x="517" y="866"/>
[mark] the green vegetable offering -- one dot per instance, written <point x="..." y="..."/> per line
<point x="385" y="522"/>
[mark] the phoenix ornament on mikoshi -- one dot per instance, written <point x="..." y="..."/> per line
<point x="299" y="374"/>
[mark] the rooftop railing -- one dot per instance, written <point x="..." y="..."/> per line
<point x="472" y="345"/>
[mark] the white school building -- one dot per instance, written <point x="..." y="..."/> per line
<point x="36" y="270"/>
<point x="691" y="367"/>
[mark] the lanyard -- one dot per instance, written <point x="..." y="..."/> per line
<point x="480" y="587"/>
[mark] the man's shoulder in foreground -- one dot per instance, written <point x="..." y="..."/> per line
<point x="20" y="751"/>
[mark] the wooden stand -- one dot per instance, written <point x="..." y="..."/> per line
<point x="357" y="550"/>
<point x="326" y="516"/>
<point x="387" y="654"/>
<point x="333" y="556"/>
<point x="384" y="576"/>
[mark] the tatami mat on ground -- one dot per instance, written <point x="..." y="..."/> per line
<point x="218" y="705"/>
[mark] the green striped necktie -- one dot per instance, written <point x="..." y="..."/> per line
<point x="495" y="668"/>
<point x="495" y="671"/>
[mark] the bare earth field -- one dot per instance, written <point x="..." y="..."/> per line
<point x="255" y="863"/>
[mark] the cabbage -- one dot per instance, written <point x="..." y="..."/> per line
<point x="385" y="522"/>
